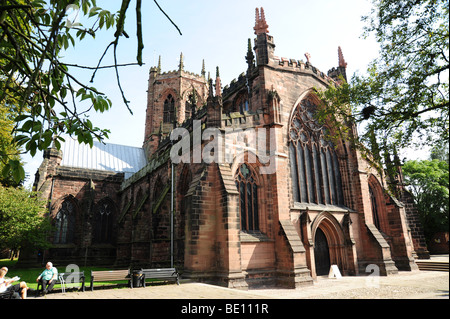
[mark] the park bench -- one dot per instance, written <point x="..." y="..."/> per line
<point x="164" y="274"/>
<point x="66" y="278"/>
<point x="7" y="294"/>
<point x="110" y="275"/>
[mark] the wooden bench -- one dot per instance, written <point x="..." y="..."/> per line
<point x="165" y="274"/>
<point x="65" y="278"/>
<point x="110" y="275"/>
<point x="7" y="294"/>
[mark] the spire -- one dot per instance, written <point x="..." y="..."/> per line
<point x="181" y="65"/>
<point x="250" y="57"/>
<point x="203" y="68"/>
<point x="159" y="65"/>
<point x="342" y="62"/>
<point x="218" y="85"/>
<point x="260" y="22"/>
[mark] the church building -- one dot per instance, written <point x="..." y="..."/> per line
<point x="237" y="186"/>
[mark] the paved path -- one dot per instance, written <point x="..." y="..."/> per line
<point x="404" y="285"/>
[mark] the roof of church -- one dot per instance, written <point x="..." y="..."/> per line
<point x="107" y="157"/>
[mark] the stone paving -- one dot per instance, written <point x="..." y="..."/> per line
<point x="404" y="285"/>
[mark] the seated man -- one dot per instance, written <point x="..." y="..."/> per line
<point x="48" y="277"/>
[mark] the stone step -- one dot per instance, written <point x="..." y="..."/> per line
<point x="432" y="265"/>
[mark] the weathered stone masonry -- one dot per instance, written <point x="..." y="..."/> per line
<point x="234" y="225"/>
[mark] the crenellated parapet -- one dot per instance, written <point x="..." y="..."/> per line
<point x="295" y="65"/>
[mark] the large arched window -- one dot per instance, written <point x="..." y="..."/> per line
<point x="314" y="165"/>
<point x="65" y="223"/>
<point x="247" y="186"/>
<point x="169" y="109"/>
<point x="103" y="222"/>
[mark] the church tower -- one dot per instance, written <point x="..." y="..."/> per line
<point x="170" y="99"/>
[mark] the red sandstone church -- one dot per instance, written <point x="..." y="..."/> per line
<point x="235" y="222"/>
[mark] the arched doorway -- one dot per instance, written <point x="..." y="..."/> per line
<point x="321" y="253"/>
<point x="330" y="244"/>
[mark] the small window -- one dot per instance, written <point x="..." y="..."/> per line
<point x="241" y="103"/>
<point x="189" y="107"/>
<point x="243" y="106"/>
<point x="169" y="109"/>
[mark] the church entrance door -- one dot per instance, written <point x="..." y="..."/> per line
<point x="321" y="253"/>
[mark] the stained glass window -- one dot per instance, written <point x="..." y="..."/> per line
<point x="103" y="222"/>
<point x="247" y="187"/>
<point x="314" y="165"/>
<point x="65" y="223"/>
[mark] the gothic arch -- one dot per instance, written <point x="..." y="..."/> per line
<point x="314" y="164"/>
<point x="307" y="93"/>
<point x="251" y="159"/>
<point x="378" y="204"/>
<point x="241" y="102"/>
<point x="335" y="236"/>
<point x="103" y="221"/>
<point x="65" y="217"/>
<point x="262" y="191"/>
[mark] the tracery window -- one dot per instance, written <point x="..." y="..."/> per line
<point x="103" y="222"/>
<point x="247" y="187"/>
<point x="314" y="165"/>
<point x="65" y="223"/>
<point x="169" y="109"/>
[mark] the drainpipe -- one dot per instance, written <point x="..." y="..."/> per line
<point x="171" y="215"/>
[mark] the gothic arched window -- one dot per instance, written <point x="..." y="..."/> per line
<point x="65" y="223"/>
<point x="314" y="165"/>
<point x="169" y="109"/>
<point x="247" y="187"/>
<point x="103" y="222"/>
<point x="188" y="108"/>
<point x="241" y="103"/>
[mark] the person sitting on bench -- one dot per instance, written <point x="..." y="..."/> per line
<point x="48" y="277"/>
<point x="20" y="289"/>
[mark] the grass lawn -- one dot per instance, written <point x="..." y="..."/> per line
<point x="29" y="275"/>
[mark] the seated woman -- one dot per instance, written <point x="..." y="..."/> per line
<point x="19" y="289"/>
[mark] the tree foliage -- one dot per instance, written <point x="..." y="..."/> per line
<point x="22" y="221"/>
<point x="8" y="150"/>
<point x="403" y="99"/>
<point x="39" y="86"/>
<point x="428" y="181"/>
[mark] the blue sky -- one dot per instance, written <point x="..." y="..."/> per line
<point x="216" y="31"/>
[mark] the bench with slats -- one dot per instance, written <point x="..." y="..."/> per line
<point x="7" y="294"/>
<point x="65" y="278"/>
<point x="110" y="275"/>
<point x="165" y="274"/>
